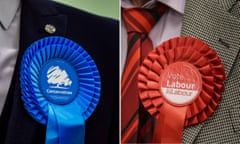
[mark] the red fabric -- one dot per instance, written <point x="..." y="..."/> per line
<point x="205" y="71"/>
<point x="135" y="121"/>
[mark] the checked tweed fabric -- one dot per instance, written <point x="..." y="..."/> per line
<point x="217" y="23"/>
<point x="136" y="123"/>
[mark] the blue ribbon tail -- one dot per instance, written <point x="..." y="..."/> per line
<point x="68" y="127"/>
<point x="52" y="128"/>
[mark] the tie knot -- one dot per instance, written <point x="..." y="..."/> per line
<point x="141" y="19"/>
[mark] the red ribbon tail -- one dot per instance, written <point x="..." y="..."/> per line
<point x="170" y="124"/>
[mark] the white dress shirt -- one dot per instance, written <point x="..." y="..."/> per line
<point x="167" y="27"/>
<point x="9" y="44"/>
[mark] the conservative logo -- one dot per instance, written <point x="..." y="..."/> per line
<point x="58" y="78"/>
<point x="59" y="81"/>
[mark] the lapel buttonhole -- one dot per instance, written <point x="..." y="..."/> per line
<point x="222" y="42"/>
<point x="235" y="118"/>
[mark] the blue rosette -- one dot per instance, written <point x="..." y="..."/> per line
<point x="60" y="87"/>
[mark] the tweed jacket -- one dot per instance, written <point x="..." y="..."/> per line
<point x="217" y="22"/>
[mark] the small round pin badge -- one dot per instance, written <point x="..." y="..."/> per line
<point x="49" y="28"/>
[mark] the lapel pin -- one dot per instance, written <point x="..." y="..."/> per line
<point x="51" y="29"/>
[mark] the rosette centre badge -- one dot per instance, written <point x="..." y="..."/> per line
<point x="180" y="83"/>
<point x="59" y="82"/>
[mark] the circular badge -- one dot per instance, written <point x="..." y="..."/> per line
<point x="56" y="70"/>
<point x="59" y="81"/>
<point x="180" y="83"/>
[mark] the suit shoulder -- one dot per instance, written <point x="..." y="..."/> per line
<point x="74" y="13"/>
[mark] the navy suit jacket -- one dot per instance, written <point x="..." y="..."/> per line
<point x="99" y="37"/>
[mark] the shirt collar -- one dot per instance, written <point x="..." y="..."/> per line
<point x="8" y="10"/>
<point x="177" y="5"/>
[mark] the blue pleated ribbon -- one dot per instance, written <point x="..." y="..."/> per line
<point x="65" y="120"/>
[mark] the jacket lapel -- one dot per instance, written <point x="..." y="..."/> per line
<point x="35" y="15"/>
<point x="209" y="21"/>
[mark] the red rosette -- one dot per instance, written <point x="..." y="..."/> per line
<point x="184" y="75"/>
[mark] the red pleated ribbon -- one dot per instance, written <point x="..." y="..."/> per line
<point x="180" y="83"/>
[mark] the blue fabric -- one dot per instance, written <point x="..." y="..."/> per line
<point x="65" y="125"/>
<point x="60" y="88"/>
